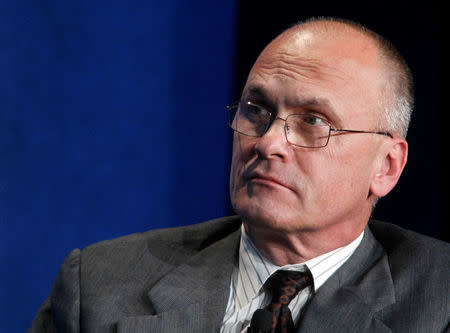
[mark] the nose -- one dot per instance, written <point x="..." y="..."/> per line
<point x="273" y="144"/>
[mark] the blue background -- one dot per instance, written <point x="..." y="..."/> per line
<point x="112" y="121"/>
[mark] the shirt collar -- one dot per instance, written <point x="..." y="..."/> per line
<point x="255" y="269"/>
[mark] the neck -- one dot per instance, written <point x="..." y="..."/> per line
<point x="286" y="247"/>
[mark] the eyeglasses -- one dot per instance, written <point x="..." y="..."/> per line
<point x="302" y="130"/>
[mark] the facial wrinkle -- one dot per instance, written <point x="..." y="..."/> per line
<point x="292" y="66"/>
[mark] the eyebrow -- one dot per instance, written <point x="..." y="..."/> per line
<point x="324" y="103"/>
<point x="257" y="91"/>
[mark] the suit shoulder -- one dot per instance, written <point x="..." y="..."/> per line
<point x="411" y="247"/>
<point x="392" y="235"/>
<point x="419" y="267"/>
<point x="191" y="236"/>
<point x="136" y="262"/>
<point x="177" y="242"/>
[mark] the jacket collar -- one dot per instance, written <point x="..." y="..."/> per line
<point x="350" y="299"/>
<point x="199" y="291"/>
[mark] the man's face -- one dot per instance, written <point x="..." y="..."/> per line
<point x="276" y="185"/>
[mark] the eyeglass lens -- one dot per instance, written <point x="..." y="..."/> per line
<point x="303" y="130"/>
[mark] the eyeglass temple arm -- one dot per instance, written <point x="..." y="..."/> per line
<point x="355" y="131"/>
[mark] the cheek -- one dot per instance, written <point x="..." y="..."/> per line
<point x="321" y="171"/>
<point x="347" y="175"/>
<point x="235" y="173"/>
<point x="243" y="149"/>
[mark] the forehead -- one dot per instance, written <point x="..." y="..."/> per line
<point x="327" y="69"/>
<point x="259" y="93"/>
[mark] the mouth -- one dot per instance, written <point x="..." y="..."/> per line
<point x="256" y="178"/>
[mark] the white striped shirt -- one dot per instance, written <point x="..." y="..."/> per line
<point x="249" y="276"/>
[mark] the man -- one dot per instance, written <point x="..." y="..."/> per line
<point x="319" y="137"/>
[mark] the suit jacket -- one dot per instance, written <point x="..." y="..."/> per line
<point x="177" y="280"/>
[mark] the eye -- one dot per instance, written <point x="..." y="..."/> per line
<point x="313" y="120"/>
<point x="254" y="112"/>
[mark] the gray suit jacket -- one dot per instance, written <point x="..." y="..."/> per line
<point x="177" y="280"/>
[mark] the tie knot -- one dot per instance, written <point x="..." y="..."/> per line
<point x="285" y="285"/>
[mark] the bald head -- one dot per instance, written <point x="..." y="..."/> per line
<point x="342" y="40"/>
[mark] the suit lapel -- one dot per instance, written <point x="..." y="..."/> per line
<point x="199" y="291"/>
<point x="349" y="300"/>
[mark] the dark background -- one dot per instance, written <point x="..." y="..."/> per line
<point x="419" y="200"/>
<point x="112" y="121"/>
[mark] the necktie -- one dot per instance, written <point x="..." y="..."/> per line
<point x="285" y="285"/>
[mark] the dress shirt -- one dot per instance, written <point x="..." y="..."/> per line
<point x="249" y="275"/>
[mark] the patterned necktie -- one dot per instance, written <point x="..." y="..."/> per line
<point x="285" y="285"/>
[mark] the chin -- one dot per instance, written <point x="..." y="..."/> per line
<point x="268" y="215"/>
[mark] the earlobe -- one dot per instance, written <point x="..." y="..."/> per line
<point x="390" y="168"/>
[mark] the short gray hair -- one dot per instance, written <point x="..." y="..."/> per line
<point x="398" y="93"/>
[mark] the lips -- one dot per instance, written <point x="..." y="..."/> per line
<point x="265" y="179"/>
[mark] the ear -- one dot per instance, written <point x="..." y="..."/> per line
<point x="392" y="163"/>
